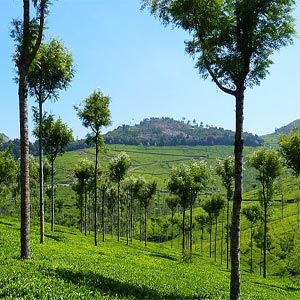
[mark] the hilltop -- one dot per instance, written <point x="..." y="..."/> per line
<point x="170" y="132"/>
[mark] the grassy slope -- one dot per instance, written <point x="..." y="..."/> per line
<point x="68" y="266"/>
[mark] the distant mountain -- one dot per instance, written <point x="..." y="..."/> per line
<point x="288" y="128"/>
<point x="4" y="138"/>
<point x="170" y="132"/>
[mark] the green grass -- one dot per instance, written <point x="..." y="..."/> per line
<point x="68" y="266"/>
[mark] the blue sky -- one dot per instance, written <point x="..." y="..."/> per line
<point x="142" y="66"/>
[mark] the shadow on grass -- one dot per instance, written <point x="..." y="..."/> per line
<point x="57" y="238"/>
<point x="113" y="287"/>
<point x="287" y="288"/>
<point x="161" y="255"/>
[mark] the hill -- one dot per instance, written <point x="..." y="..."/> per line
<point x="68" y="266"/>
<point x="288" y="128"/>
<point x="170" y="132"/>
<point x="4" y="138"/>
<point x="272" y="138"/>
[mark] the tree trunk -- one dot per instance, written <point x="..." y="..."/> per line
<point x="183" y="231"/>
<point x="24" y="165"/>
<point x="140" y="222"/>
<point x="222" y="236"/>
<point x="102" y="215"/>
<point x="227" y="232"/>
<point x="235" y="279"/>
<point x="216" y="231"/>
<point x="85" y="210"/>
<point x="24" y="140"/>
<point x="202" y="238"/>
<point x="145" y="229"/>
<point x="265" y="240"/>
<point x="131" y="218"/>
<point x="96" y="193"/>
<point x="52" y="195"/>
<point x="191" y="231"/>
<point x="41" y="175"/>
<point x="81" y="211"/>
<point x="119" y="213"/>
<point x="210" y="238"/>
<point x="251" y="247"/>
<point x="172" y="234"/>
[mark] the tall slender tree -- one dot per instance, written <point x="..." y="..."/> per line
<point x="232" y="42"/>
<point x="172" y="202"/>
<point x="225" y="169"/>
<point x="27" y="34"/>
<point x="57" y="136"/>
<point x="84" y="172"/>
<point x="253" y="214"/>
<point x="118" y="167"/>
<point x="179" y="184"/>
<point x="94" y="113"/>
<point x="146" y="193"/>
<point x="50" y="71"/>
<point x="268" y="163"/>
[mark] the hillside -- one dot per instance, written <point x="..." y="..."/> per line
<point x="68" y="266"/>
<point x="170" y="132"/>
<point x="4" y="138"/>
<point x="288" y="128"/>
<point x="272" y="138"/>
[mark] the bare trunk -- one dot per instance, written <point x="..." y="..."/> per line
<point x="131" y="218"/>
<point x="222" y="236"/>
<point x="235" y="280"/>
<point x="251" y="247"/>
<point x="145" y="229"/>
<point x="119" y="213"/>
<point x="81" y="212"/>
<point x="265" y="240"/>
<point x="52" y="196"/>
<point x="24" y="165"/>
<point x="191" y="231"/>
<point x="227" y="232"/>
<point x="41" y="175"/>
<point x="183" y="231"/>
<point x="102" y="215"/>
<point x="96" y="195"/>
<point x="172" y="234"/>
<point x="216" y="231"/>
<point x="210" y="238"/>
<point x="85" y="210"/>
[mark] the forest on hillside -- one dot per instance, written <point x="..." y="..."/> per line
<point x="169" y="132"/>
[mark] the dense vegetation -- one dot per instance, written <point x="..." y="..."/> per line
<point x="169" y="132"/>
<point x="68" y="266"/>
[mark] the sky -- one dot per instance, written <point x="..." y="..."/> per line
<point x="143" y="67"/>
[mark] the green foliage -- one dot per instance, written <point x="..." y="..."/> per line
<point x="51" y="70"/>
<point x="231" y="40"/>
<point x="146" y="192"/>
<point x="70" y="267"/>
<point x="95" y="113"/>
<point x="269" y="165"/>
<point x="8" y="169"/>
<point x="225" y="169"/>
<point x="289" y="148"/>
<point x="253" y="213"/>
<point x="118" y="166"/>
<point x="57" y="136"/>
<point x="187" y="180"/>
